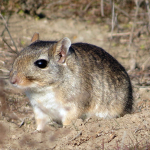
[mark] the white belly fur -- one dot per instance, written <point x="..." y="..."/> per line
<point x="45" y="101"/>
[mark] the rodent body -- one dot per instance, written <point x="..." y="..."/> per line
<point x="63" y="81"/>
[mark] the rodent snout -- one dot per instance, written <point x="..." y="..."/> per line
<point x="18" y="79"/>
<point x="13" y="78"/>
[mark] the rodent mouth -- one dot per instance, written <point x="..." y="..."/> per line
<point x="29" y="78"/>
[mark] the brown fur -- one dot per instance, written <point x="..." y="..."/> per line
<point x="85" y="78"/>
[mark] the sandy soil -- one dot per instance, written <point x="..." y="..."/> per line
<point x="17" y="124"/>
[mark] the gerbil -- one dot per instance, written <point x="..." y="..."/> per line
<point x="64" y="81"/>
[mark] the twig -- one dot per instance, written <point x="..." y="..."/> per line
<point x="87" y="120"/>
<point x="137" y="130"/>
<point x="21" y="124"/>
<point x="4" y="77"/>
<point x="112" y="20"/>
<point x="4" y="70"/>
<point x="59" y="2"/>
<point x="133" y="64"/>
<point x="123" y="138"/>
<point x="102" y="8"/>
<point x="145" y="64"/>
<point x="148" y="9"/>
<point x="133" y="26"/>
<point x="122" y="11"/>
<point x="5" y="24"/>
<point x="80" y="133"/>
<point x="4" y="28"/>
<point x="87" y="6"/>
<point x="119" y="34"/>
<point x="8" y="46"/>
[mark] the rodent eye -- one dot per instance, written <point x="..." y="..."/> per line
<point x="41" y="63"/>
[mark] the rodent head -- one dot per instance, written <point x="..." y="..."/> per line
<point x="40" y="64"/>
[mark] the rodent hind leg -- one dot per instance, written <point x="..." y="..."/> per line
<point x="41" y="119"/>
<point x="71" y="117"/>
<point x="111" y="112"/>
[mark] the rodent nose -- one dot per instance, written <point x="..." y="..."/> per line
<point x="13" y="80"/>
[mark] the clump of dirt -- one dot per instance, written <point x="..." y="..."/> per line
<point x="17" y="124"/>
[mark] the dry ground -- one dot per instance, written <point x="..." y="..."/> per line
<point x="17" y="124"/>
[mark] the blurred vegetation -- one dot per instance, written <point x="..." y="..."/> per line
<point x="130" y="19"/>
<point x="93" y="11"/>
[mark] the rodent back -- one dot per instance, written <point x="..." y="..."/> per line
<point x="104" y="75"/>
<point x="93" y="57"/>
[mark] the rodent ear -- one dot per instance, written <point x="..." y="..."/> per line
<point x="35" y="37"/>
<point x="62" y="48"/>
